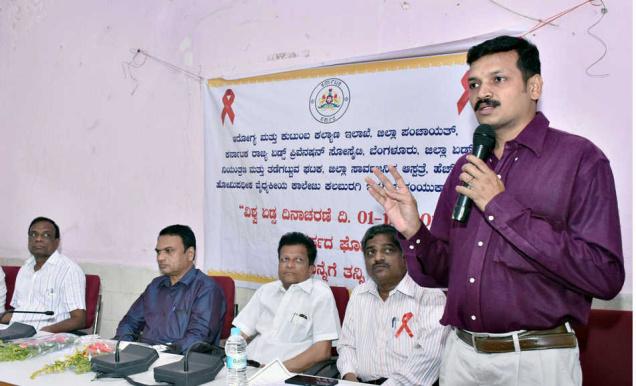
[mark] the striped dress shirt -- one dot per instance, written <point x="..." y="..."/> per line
<point x="400" y="339"/>
<point x="59" y="286"/>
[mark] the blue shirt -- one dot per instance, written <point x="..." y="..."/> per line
<point x="189" y="311"/>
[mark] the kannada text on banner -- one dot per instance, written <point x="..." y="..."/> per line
<point x="290" y="153"/>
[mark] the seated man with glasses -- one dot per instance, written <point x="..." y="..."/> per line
<point x="295" y="318"/>
<point x="48" y="281"/>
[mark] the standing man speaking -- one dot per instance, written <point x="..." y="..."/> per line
<point x="541" y="240"/>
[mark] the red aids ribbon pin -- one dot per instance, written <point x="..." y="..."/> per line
<point x="405" y="320"/>
<point x="228" y="99"/>
<point x="461" y="103"/>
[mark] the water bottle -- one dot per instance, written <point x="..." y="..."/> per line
<point x="236" y="359"/>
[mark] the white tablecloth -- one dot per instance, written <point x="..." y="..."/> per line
<point x="19" y="372"/>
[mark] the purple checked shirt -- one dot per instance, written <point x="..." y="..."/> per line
<point x="540" y="251"/>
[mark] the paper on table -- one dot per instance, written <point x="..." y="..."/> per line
<point x="274" y="373"/>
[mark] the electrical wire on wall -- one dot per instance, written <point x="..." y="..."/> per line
<point x="589" y="32"/>
<point x="519" y="13"/>
<point x="140" y="57"/>
<point x="549" y="21"/>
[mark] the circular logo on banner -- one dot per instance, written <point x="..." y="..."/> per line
<point x="329" y="100"/>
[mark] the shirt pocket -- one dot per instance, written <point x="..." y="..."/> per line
<point x="48" y="299"/>
<point x="515" y="262"/>
<point x="298" y="329"/>
<point x="510" y="257"/>
<point x="403" y="344"/>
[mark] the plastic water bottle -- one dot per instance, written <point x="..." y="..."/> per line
<point x="236" y="359"/>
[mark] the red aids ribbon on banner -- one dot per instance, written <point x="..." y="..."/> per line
<point x="228" y="99"/>
<point x="461" y="103"/>
<point x="405" y="320"/>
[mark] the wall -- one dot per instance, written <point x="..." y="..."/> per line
<point x="110" y="147"/>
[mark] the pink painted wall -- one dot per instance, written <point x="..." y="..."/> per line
<point x="113" y="153"/>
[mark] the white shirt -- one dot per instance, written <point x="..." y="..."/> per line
<point x="286" y="323"/>
<point x="58" y="286"/>
<point x="3" y="291"/>
<point x="368" y="346"/>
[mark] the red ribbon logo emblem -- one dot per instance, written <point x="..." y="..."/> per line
<point x="228" y="99"/>
<point x="461" y="103"/>
<point x="405" y="320"/>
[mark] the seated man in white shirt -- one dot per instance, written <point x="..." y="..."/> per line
<point x="391" y="333"/>
<point x="48" y="281"/>
<point x="295" y="318"/>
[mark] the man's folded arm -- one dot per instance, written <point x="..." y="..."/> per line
<point x="317" y="352"/>
<point x="77" y="321"/>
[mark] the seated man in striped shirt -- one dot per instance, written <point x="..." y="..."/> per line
<point x="391" y="333"/>
<point x="48" y="281"/>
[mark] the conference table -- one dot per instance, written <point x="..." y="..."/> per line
<point x="19" y="372"/>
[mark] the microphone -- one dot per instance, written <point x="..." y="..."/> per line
<point x="14" y="311"/>
<point x="195" y="368"/>
<point x="135" y="358"/>
<point x="483" y="144"/>
<point x="19" y="330"/>
<point x="27" y="312"/>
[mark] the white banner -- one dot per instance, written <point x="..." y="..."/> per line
<point x="289" y="152"/>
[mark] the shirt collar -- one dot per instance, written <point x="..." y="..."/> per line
<point x="187" y="279"/>
<point x="306" y="285"/>
<point x="533" y="135"/>
<point x="405" y="286"/>
<point x="54" y="259"/>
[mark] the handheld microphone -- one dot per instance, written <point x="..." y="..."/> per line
<point x="483" y="144"/>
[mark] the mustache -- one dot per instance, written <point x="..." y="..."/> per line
<point x="488" y="102"/>
<point x="385" y="265"/>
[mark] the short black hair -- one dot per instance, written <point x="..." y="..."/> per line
<point x="297" y="238"/>
<point x="382" y="229"/>
<point x="40" y="219"/>
<point x="183" y="231"/>
<point x="528" y="62"/>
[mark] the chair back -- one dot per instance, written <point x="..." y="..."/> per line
<point x="93" y="296"/>
<point x="605" y="348"/>
<point x="341" y="294"/>
<point x="227" y="285"/>
<point x="10" y="273"/>
<point x="93" y="299"/>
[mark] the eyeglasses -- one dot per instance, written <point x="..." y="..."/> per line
<point x="45" y="235"/>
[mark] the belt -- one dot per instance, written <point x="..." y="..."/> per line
<point x="558" y="337"/>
